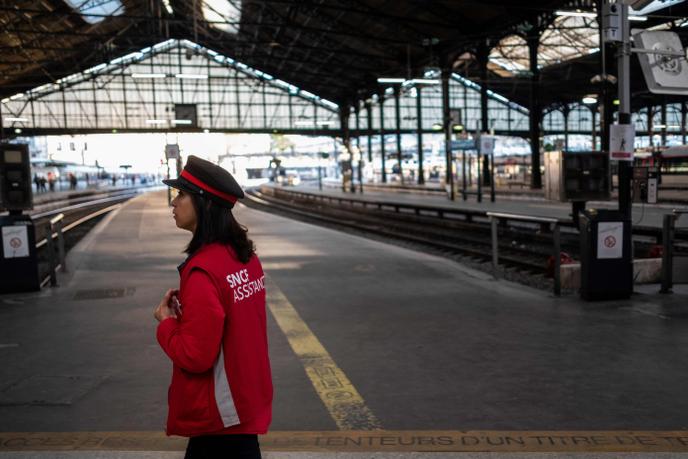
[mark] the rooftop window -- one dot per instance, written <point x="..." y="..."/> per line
<point x="94" y="11"/>
<point x="223" y="14"/>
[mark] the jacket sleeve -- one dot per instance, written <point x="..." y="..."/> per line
<point x="193" y="341"/>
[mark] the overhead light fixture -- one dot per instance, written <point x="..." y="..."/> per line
<point x="659" y="126"/>
<point x="182" y="121"/>
<point x="17" y="131"/>
<point x="437" y="127"/>
<point x="589" y="100"/>
<point x="326" y="122"/>
<point x="616" y="102"/>
<point x="168" y="6"/>
<point x="576" y="14"/>
<point x="191" y="76"/>
<point x="303" y="123"/>
<point x="674" y="126"/>
<point x="17" y="96"/>
<point x="425" y="81"/>
<point x="4" y="101"/>
<point x="457" y="127"/>
<point x="148" y="75"/>
<point x="16" y="120"/>
<point x="391" y="80"/>
<point x="637" y="18"/>
<point x="156" y="121"/>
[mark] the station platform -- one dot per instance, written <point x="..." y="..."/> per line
<point x="649" y="215"/>
<point x="377" y="351"/>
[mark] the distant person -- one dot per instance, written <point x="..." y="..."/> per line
<point x="114" y="180"/>
<point x="213" y="327"/>
<point x="51" y="181"/>
<point x="72" y="181"/>
<point x="41" y="183"/>
<point x="37" y="181"/>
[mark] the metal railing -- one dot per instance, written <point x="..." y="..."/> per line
<point x="668" y="234"/>
<point x="553" y="224"/>
<point x="56" y="230"/>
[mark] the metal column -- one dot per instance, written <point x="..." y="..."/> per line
<point x="397" y="116"/>
<point x="533" y="40"/>
<point x="381" y="101"/>
<point x="446" y="124"/>
<point x="419" y="124"/>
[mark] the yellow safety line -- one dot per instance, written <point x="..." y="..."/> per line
<point x="370" y="441"/>
<point x="342" y="400"/>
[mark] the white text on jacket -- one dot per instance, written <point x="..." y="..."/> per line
<point x="243" y="286"/>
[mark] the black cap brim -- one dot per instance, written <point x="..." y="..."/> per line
<point x="178" y="184"/>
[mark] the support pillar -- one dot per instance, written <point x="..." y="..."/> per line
<point x="566" y="110"/>
<point x="533" y="40"/>
<point x="369" y="113"/>
<point x="419" y="126"/>
<point x="664" y="122"/>
<point x="397" y="115"/>
<point x="358" y="147"/>
<point x="446" y="124"/>
<point x="381" y="101"/>
<point x="483" y="57"/>
<point x="683" y="123"/>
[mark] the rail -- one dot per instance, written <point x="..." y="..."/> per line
<point x="668" y="235"/>
<point x="553" y="224"/>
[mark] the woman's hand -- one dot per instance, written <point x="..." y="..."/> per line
<point x="164" y="310"/>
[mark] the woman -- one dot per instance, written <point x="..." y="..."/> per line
<point x="214" y="327"/>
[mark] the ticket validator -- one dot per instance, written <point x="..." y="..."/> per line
<point x="18" y="261"/>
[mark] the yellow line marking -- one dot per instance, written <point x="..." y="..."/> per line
<point x="369" y="441"/>
<point x="342" y="400"/>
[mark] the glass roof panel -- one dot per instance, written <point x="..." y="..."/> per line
<point x="102" y="8"/>
<point x="223" y="14"/>
<point x="568" y="37"/>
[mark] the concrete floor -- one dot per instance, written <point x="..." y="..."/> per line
<point x="430" y="345"/>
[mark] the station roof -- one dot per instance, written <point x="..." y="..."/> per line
<point x="333" y="48"/>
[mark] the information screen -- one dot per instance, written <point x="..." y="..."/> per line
<point x="13" y="156"/>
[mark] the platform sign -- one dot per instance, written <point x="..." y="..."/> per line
<point x="15" y="241"/>
<point x="487" y="144"/>
<point x="172" y="151"/>
<point x="610" y="240"/>
<point x="463" y="144"/>
<point x="621" y="142"/>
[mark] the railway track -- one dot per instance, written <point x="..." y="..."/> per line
<point x="522" y="253"/>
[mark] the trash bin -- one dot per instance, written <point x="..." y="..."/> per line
<point x="606" y="255"/>
<point x="18" y="261"/>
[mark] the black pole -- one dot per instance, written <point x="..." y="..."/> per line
<point x="419" y="124"/>
<point x="369" y="112"/>
<point x="358" y="147"/>
<point x="449" y="180"/>
<point x="381" y="101"/>
<point x="533" y="40"/>
<point x="397" y="115"/>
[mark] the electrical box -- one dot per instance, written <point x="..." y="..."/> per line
<point x="611" y="22"/>
<point x="645" y="184"/>
<point x="15" y="178"/>
<point x="577" y="176"/>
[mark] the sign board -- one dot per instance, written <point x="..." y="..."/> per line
<point x="15" y="241"/>
<point x="610" y="240"/>
<point x="622" y="139"/>
<point x="487" y="144"/>
<point x="664" y="74"/>
<point x="172" y="151"/>
<point x="455" y="115"/>
<point x="463" y="144"/>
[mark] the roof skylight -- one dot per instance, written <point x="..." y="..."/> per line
<point x="101" y="8"/>
<point x="223" y="14"/>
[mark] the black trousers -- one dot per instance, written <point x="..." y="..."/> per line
<point x="223" y="447"/>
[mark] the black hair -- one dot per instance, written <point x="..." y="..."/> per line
<point x="216" y="223"/>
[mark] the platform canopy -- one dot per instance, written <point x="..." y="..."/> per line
<point x="334" y="49"/>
